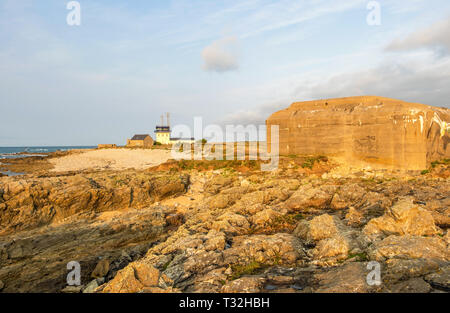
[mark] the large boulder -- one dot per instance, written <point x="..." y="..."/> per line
<point x="380" y="131"/>
<point x="404" y="218"/>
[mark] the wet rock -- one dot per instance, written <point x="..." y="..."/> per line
<point x="350" y="278"/>
<point x="415" y="285"/>
<point x="440" y="279"/>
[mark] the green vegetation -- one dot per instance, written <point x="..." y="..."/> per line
<point x="442" y="162"/>
<point x="424" y="172"/>
<point x="310" y="161"/>
<point x="288" y="219"/>
<point x="360" y="257"/>
<point x="251" y="268"/>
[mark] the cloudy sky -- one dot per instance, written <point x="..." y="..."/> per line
<point x="226" y="61"/>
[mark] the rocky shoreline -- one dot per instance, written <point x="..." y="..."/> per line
<point x="207" y="226"/>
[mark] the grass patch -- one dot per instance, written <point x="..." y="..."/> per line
<point x="424" y="172"/>
<point x="442" y="162"/>
<point x="251" y="268"/>
<point x="310" y="161"/>
<point x="360" y="257"/>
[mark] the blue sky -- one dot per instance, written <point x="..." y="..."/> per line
<point x="227" y="61"/>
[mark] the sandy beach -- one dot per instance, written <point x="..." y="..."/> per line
<point x="113" y="159"/>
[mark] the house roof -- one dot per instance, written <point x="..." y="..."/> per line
<point x="139" y="137"/>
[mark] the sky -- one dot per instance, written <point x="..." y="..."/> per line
<point x="229" y="62"/>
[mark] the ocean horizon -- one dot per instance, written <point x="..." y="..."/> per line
<point x="15" y="152"/>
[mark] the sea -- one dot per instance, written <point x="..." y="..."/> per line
<point x="17" y="152"/>
<point x="21" y="152"/>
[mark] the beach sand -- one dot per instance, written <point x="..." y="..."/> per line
<point x="113" y="159"/>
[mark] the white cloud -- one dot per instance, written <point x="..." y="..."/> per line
<point x="420" y="78"/>
<point x="436" y="37"/>
<point x="222" y="55"/>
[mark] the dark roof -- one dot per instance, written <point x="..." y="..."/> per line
<point x="162" y="129"/>
<point x="139" y="137"/>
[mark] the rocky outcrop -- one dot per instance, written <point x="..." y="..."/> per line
<point x="370" y="130"/>
<point x="27" y="204"/>
<point x="224" y="231"/>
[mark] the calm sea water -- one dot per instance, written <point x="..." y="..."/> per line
<point x="15" y="152"/>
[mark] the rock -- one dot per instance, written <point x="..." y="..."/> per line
<point x="101" y="270"/>
<point x="217" y="183"/>
<point x="320" y="227"/>
<point x="175" y="219"/>
<point x="272" y="249"/>
<point x="244" y="285"/>
<point x="384" y="132"/>
<point x="331" y="250"/>
<point x="220" y="201"/>
<point x="211" y="282"/>
<point x="400" y="270"/>
<point x="441" y="220"/>
<point x="91" y="287"/>
<point x="354" y="217"/>
<point x="415" y="285"/>
<point x="265" y="217"/>
<point x="308" y="198"/>
<point x="350" y="278"/>
<point x="447" y="237"/>
<point x="404" y="218"/>
<point x="346" y="196"/>
<point x="440" y="279"/>
<point x="133" y="278"/>
<point x="37" y="201"/>
<point x="72" y="289"/>
<point x="2" y="285"/>
<point x="147" y="275"/>
<point x="410" y="247"/>
<point x="231" y="223"/>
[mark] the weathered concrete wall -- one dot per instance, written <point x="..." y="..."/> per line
<point x="381" y="131"/>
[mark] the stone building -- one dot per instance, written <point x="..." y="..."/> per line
<point x="143" y="141"/>
<point x="382" y="132"/>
